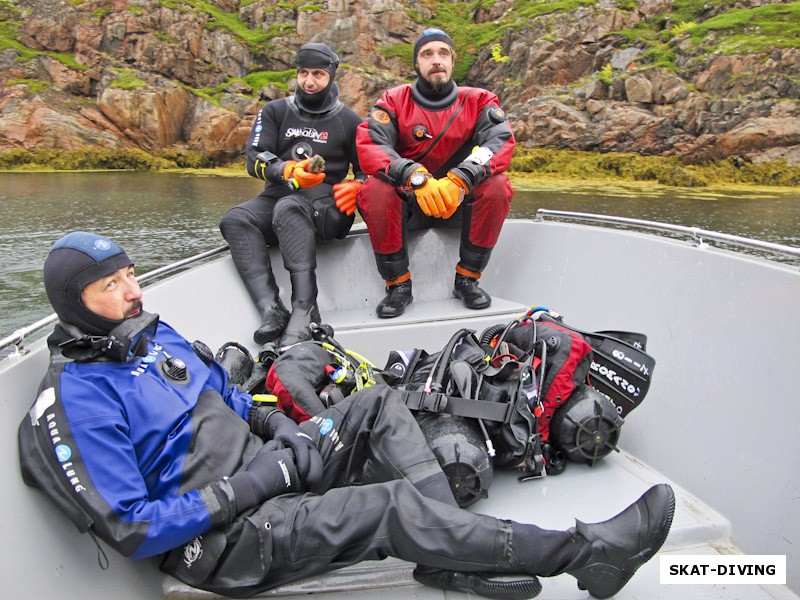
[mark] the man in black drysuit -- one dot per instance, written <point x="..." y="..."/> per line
<point x="137" y="437"/>
<point x="298" y="205"/>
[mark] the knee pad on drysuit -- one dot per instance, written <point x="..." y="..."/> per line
<point x="295" y="230"/>
<point x="247" y="240"/>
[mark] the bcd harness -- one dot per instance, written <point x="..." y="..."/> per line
<point x="505" y="388"/>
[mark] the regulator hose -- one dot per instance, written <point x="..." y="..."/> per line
<point x="439" y="369"/>
<point x="490" y="332"/>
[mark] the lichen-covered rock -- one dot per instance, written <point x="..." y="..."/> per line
<point x="142" y="70"/>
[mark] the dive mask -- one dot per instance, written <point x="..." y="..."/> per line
<point x="130" y="338"/>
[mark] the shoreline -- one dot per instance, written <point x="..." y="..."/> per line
<point x="520" y="181"/>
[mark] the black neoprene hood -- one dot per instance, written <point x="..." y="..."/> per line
<point x="75" y="261"/>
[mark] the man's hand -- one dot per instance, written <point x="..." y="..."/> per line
<point x="453" y="191"/>
<point x="439" y="197"/>
<point x="283" y="429"/>
<point x="345" y="194"/>
<point x="270" y="473"/>
<point x="301" y="175"/>
<point x="431" y="198"/>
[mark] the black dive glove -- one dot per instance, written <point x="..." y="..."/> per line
<point x="273" y="424"/>
<point x="270" y="473"/>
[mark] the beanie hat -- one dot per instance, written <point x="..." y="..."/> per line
<point x="432" y="34"/>
<point x="75" y="261"/>
<point x="317" y="56"/>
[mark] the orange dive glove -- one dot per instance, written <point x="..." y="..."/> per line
<point x="297" y="175"/>
<point x="453" y="191"/>
<point x="432" y="199"/>
<point x="428" y="192"/>
<point x="345" y="195"/>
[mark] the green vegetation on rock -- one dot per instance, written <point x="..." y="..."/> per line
<point x="527" y="163"/>
<point x="665" y="170"/>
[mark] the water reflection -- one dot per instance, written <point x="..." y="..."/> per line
<point x="159" y="218"/>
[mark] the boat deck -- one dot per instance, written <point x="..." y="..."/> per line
<point x="588" y="493"/>
<point x="718" y="422"/>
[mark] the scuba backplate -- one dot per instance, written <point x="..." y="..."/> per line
<point x="528" y="389"/>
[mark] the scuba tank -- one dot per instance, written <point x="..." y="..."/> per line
<point x="587" y="427"/>
<point x="458" y="446"/>
<point x="237" y="361"/>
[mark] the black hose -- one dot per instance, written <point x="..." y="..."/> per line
<point x="490" y="332"/>
<point x="439" y="367"/>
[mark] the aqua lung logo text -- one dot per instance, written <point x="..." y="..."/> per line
<point x="258" y="129"/>
<point x="63" y="454"/>
<point x="326" y="428"/>
<point x="193" y="551"/>
<point x="146" y="361"/>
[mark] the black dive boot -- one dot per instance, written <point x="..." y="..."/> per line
<point x="398" y="296"/>
<point x="622" y="544"/>
<point x="470" y="293"/>
<point x="304" y="308"/>
<point x="251" y="257"/>
<point x="478" y="583"/>
<point x="274" y="318"/>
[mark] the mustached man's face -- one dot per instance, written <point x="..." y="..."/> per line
<point x="116" y="296"/>
<point x="435" y="63"/>
<point x="312" y="80"/>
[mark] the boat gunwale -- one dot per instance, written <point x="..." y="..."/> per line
<point x="696" y="233"/>
<point x="18" y="337"/>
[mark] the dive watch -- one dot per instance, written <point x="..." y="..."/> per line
<point x="418" y="179"/>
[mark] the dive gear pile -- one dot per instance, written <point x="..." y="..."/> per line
<point x="531" y="394"/>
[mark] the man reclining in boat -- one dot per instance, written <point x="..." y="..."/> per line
<point x="137" y="436"/>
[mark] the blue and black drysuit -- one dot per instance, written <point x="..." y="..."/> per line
<point x="139" y="458"/>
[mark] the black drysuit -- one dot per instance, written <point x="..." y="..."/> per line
<point x="294" y="219"/>
<point x="372" y="440"/>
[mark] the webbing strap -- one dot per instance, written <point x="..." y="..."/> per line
<point x="462" y="407"/>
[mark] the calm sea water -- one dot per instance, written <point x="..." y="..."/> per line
<point x="162" y="217"/>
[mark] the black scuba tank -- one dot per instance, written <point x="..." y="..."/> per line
<point x="237" y="361"/>
<point x="458" y="446"/>
<point x="587" y="427"/>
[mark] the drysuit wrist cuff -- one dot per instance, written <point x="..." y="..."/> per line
<point x="398" y="171"/>
<point x="244" y="491"/>
<point x="219" y="499"/>
<point x="258" y="418"/>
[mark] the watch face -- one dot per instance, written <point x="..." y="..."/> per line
<point x="418" y="180"/>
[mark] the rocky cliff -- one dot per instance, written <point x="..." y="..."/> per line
<point x="700" y="80"/>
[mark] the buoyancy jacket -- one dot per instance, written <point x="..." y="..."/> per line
<point x="136" y="452"/>
<point x="283" y="129"/>
<point x="405" y="130"/>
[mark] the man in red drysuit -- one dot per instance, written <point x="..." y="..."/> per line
<point x="434" y="150"/>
